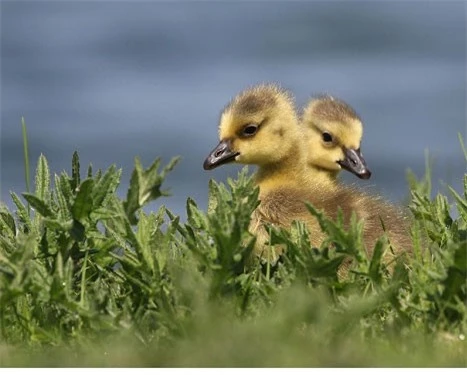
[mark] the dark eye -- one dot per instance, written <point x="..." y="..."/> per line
<point x="327" y="137"/>
<point x="250" y="130"/>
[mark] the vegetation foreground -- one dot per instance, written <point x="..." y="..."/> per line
<point x="89" y="279"/>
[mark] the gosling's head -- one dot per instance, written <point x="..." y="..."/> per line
<point x="334" y="133"/>
<point x="259" y="126"/>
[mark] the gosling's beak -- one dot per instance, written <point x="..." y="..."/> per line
<point x="222" y="154"/>
<point x="355" y="163"/>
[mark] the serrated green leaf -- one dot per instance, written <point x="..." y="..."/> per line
<point x="39" y="205"/>
<point x="7" y="223"/>
<point x="374" y="270"/>
<point x="461" y="203"/>
<point x="143" y="236"/>
<point x="75" y="171"/>
<point x="119" y="239"/>
<point x="194" y="216"/>
<point x="6" y="246"/>
<point x="106" y="186"/>
<point x="212" y="200"/>
<point x="42" y="178"/>
<point x="103" y="213"/>
<point x="84" y="201"/>
<point x="145" y="186"/>
<point x="455" y="281"/>
<point x="131" y="204"/>
<point x="57" y="224"/>
<point x="63" y="197"/>
<point x="64" y="186"/>
<point x="78" y="231"/>
<point x="21" y="212"/>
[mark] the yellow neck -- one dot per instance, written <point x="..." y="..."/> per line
<point x="289" y="172"/>
<point x="321" y="177"/>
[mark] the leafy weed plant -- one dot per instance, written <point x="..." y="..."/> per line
<point x="90" y="279"/>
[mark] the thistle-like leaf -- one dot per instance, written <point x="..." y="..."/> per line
<point x="195" y="217"/>
<point x="75" y="171"/>
<point x="374" y="271"/>
<point x="62" y="184"/>
<point x="461" y="202"/>
<point x="63" y="198"/>
<point x="42" y="179"/>
<point x="39" y="205"/>
<point x="83" y="202"/>
<point x="146" y="226"/>
<point x="145" y="186"/>
<point x="21" y="212"/>
<point x="59" y="224"/>
<point x="7" y="222"/>
<point x="106" y="186"/>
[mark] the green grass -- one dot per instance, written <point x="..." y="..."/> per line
<point x="90" y="279"/>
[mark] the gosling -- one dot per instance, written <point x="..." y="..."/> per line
<point x="260" y="127"/>
<point x="333" y="137"/>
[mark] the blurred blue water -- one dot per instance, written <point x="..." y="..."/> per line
<point x="115" y="80"/>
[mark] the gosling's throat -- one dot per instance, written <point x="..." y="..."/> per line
<point x="288" y="172"/>
<point x="317" y="175"/>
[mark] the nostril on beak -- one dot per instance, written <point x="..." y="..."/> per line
<point x="218" y="153"/>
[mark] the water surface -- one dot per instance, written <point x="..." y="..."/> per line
<point x="115" y="80"/>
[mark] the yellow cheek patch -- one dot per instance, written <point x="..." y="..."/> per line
<point x="350" y="136"/>
<point x="226" y="127"/>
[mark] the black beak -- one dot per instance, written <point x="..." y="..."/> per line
<point x="355" y="163"/>
<point x="222" y="154"/>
